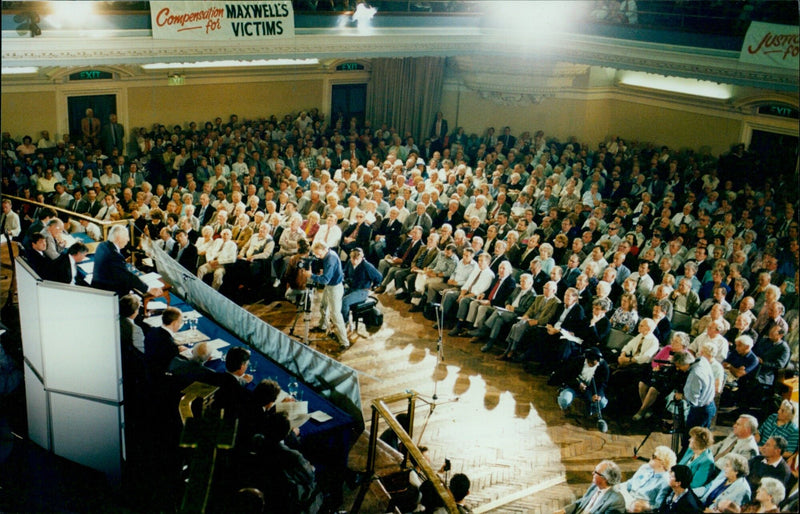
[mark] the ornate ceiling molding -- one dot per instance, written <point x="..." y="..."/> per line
<point x="571" y="52"/>
<point x="506" y="79"/>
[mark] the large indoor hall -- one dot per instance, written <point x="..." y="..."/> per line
<point x="329" y="256"/>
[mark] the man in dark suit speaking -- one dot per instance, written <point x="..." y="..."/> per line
<point x="110" y="272"/>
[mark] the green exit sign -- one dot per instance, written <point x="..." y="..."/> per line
<point x="350" y="66"/>
<point x="91" y="75"/>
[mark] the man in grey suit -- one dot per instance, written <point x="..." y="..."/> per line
<point x="601" y="496"/>
<point x="518" y="302"/>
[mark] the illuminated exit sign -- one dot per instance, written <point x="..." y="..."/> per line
<point x="91" y="75"/>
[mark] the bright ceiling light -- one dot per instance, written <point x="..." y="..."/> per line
<point x="535" y="19"/>
<point x="20" y="70"/>
<point x="70" y="14"/>
<point x="229" y="64"/>
<point x="704" y="88"/>
<point x="363" y="13"/>
<point x="362" y="17"/>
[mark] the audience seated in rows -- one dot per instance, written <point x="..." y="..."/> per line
<point x="539" y="249"/>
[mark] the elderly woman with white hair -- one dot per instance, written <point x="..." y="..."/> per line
<point x="769" y="496"/>
<point x="648" y="487"/>
<point x="731" y="484"/>
<point x="545" y="257"/>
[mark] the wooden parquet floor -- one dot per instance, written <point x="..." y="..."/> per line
<point x="496" y="423"/>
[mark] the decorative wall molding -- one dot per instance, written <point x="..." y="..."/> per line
<point x="515" y="98"/>
<point x="503" y="47"/>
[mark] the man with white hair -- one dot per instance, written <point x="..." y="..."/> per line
<point x="634" y="359"/>
<point x="601" y="495"/>
<point x="641" y="348"/>
<point x="699" y="391"/>
<point x="221" y="252"/>
<point x="54" y="235"/>
<point x="712" y="334"/>
<point x="188" y="369"/>
<point x="110" y="270"/>
<point x="740" y="441"/>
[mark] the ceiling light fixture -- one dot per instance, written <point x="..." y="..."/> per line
<point x="20" y="70"/>
<point x="694" y="87"/>
<point x="229" y="64"/>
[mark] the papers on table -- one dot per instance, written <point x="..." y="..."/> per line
<point x="147" y="261"/>
<point x="87" y="267"/>
<point x="191" y="315"/>
<point x="297" y="412"/>
<point x="189" y="337"/>
<point x="152" y="280"/>
<point x="153" y="321"/>
<point x="156" y="305"/>
<point x="216" y="344"/>
<point x="213" y="346"/>
<point x="320" y="417"/>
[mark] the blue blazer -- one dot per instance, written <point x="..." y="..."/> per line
<point x="702" y="467"/>
<point x="738" y="492"/>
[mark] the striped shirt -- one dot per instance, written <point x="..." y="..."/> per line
<point x="788" y="431"/>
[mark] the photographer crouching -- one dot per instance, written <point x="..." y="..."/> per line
<point x="332" y="277"/>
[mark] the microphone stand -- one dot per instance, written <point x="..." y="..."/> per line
<point x="433" y="402"/>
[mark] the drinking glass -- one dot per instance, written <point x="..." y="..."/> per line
<point x="293" y="388"/>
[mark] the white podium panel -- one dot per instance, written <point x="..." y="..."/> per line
<point x="80" y="335"/>
<point x="87" y="432"/>
<point x="28" y="296"/>
<point x="36" y="402"/>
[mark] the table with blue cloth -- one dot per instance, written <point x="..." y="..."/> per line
<point x="325" y="445"/>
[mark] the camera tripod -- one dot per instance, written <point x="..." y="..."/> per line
<point x="304" y="299"/>
<point x="675" y="407"/>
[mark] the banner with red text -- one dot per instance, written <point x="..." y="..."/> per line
<point x="229" y="21"/>
<point x="770" y="44"/>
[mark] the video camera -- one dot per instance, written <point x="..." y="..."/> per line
<point x="306" y="262"/>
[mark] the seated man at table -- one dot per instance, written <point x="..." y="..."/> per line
<point x="233" y="396"/>
<point x="159" y="343"/>
<point x="262" y="412"/>
<point x="283" y="474"/>
<point x="130" y="334"/>
<point x="186" y="370"/>
<point x="110" y="271"/>
<point x="35" y="256"/>
<point x="65" y="268"/>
